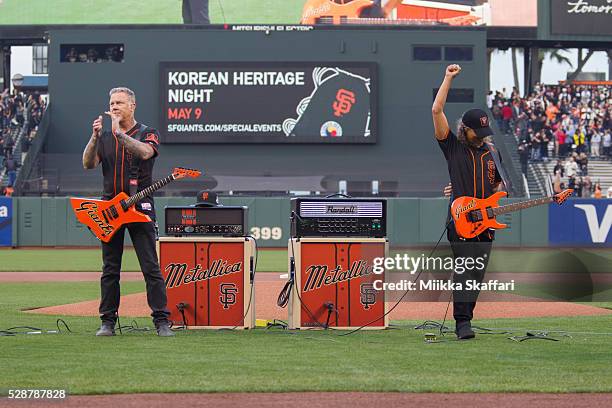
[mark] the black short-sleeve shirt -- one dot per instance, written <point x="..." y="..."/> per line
<point x="117" y="165"/>
<point x="472" y="170"/>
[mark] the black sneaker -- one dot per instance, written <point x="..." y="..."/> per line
<point x="163" y="330"/>
<point x="464" y="330"/>
<point x="107" y="329"/>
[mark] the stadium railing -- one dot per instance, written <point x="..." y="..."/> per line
<point x="35" y="149"/>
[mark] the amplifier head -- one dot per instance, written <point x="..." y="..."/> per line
<point x="348" y="217"/>
<point x="209" y="221"/>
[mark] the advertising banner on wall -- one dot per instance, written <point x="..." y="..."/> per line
<point x="581" y="222"/>
<point x="203" y="102"/>
<point x="6" y="221"/>
<point x="581" y="17"/>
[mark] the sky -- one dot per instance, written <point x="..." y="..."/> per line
<point x="552" y="73"/>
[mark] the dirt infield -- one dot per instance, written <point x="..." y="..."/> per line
<point x="326" y="400"/>
<point x="268" y="286"/>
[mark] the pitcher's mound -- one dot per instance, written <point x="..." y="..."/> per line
<point x="266" y="293"/>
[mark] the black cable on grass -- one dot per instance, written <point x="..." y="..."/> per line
<point x="57" y="323"/>
<point x="134" y="327"/>
<point x="11" y="329"/>
<point x="431" y="324"/>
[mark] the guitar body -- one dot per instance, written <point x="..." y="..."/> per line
<point x="104" y="218"/>
<point x="471" y="217"/>
<point x="329" y="9"/>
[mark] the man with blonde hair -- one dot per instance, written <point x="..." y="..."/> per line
<point x="127" y="153"/>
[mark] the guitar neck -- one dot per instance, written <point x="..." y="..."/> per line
<point x="149" y="190"/>
<point x="521" y="206"/>
<point x="375" y="21"/>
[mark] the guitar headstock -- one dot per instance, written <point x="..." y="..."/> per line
<point x="182" y="172"/>
<point x="562" y="196"/>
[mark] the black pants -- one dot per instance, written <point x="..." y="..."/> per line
<point x="524" y="167"/>
<point x="464" y="301"/>
<point x="143" y="236"/>
<point x="195" y="12"/>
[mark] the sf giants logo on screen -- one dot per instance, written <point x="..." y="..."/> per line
<point x="228" y="294"/>
<point x="345" y="100"/>
<point x="368" y="295"/>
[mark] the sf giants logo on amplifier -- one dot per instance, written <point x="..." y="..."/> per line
<point x="367" y="295"/>
<point x="228" y="294"/>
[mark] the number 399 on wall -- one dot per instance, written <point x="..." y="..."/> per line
<point x="266" y="233"/>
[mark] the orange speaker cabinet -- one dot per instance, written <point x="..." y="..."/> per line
<point x="333" y="283"/>
<point x="211" y="278"/>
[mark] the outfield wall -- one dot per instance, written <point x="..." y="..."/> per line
<point x="412" y="222"/>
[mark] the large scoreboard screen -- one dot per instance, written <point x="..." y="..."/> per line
<point x="268" y="102"/>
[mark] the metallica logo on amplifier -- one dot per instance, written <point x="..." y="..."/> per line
<point x="177" y="273"/>
<point x="321" y="275"/>
<point x="334" y="217"/>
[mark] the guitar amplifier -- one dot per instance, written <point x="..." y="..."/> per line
<point x="338" y="217"/>
<point x="228" y="221"/>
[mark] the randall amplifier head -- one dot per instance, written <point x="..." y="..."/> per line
<point x="338" y="217"/>
<point x="219" y="221"/>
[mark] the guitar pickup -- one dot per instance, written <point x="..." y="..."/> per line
<point x="475" y="216"/>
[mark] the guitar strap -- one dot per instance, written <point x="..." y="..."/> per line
<point x="500" y="169"/>
<point x="135" y="164"/>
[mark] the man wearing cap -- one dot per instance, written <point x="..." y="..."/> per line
<point x="473" y="173"/>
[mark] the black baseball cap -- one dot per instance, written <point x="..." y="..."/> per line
<point x="207" y="198"/>
<point x="478" y="121"/>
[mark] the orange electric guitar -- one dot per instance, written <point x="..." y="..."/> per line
<point x="349" y="12"/>
<point x="473" y="216"/>
<point x="104" y="218"/>
<point x="338" y="11"/>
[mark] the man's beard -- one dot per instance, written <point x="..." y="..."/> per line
<point x="474" y="143"/>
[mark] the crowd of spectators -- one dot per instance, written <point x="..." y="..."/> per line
<point x="569" y="123"/>
<point x="15" y="110"/>
<point x="94" y="54"/>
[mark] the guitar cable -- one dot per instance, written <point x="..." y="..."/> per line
<point x="283" y="297"/>
<point x="252" y="278"/>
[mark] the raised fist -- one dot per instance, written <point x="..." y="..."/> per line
<point x="453" y="70"/>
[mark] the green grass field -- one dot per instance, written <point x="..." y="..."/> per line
<point x="275" y="260"/>
<point x="275" y="360"/>
<point x="145" y="11"/>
